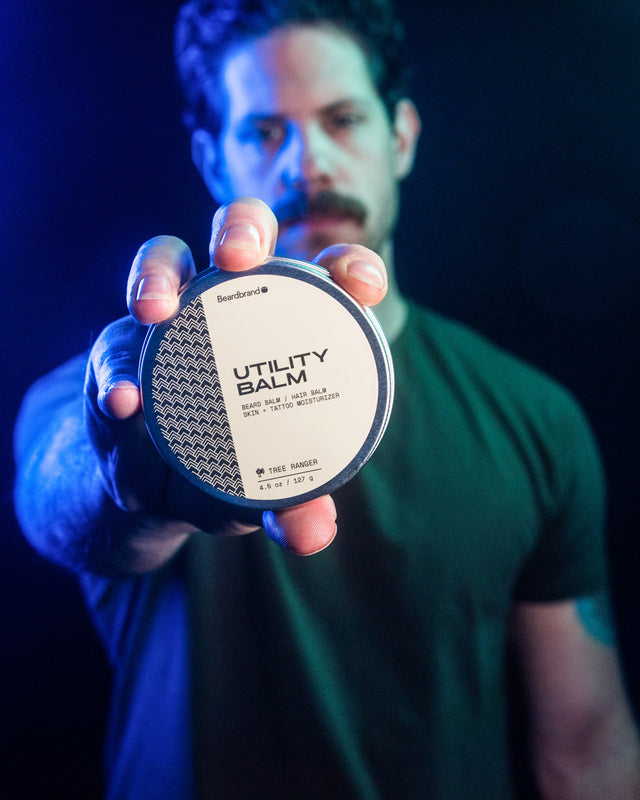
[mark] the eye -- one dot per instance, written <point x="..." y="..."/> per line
<point x="271" y="132"/>
<point x="344" y="120"/>
<point x="264" y="132"/>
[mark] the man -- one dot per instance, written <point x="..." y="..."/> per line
<point x="379" y="666"/>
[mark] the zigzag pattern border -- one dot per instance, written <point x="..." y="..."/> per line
<point x="189" y="405"/>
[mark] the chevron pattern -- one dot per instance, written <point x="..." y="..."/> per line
<point x="188" y="402"/>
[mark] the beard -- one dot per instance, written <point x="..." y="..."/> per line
<point x="310" y="223"/>
<point x="297" y="207"/>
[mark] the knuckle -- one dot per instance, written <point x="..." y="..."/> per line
<point x="116" y="350"/>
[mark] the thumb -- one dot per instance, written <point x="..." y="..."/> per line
<point x="304" y="529"/>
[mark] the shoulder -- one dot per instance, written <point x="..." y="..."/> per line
<point x="505" y="397"/>
<point x="481" y="367"/>
<point x="65" y="378"/>
<point x="62" y="387"/>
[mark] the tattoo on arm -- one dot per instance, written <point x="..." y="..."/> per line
<point x="596" y="616"/>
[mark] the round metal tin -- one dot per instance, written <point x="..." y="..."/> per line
<point x="269" y="387"/>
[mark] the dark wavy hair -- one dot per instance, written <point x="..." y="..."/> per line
<point x="206" y="29"/>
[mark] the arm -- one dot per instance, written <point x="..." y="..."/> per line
<point x="584" y="742"/>
<point x="91" y="491"/>
<point x="60" y="498"/>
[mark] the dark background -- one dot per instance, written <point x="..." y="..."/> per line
<point x="522" y="218"/>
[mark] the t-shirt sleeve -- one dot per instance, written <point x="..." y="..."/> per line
<point x="569" y="559"/>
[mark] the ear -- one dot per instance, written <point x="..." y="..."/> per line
<point x="406" y="129"/>
<point x="207" y="158"/>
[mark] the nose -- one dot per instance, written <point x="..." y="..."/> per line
<point x="306" y="158"/>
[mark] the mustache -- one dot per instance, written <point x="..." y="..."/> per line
<point x="297" y="206"/>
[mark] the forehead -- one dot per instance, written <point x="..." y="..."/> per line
<point x="294" y="67"/>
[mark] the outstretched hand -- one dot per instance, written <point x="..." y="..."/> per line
<point x="243" y="235"/>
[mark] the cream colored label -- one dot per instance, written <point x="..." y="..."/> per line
<point x="299" y="381"/>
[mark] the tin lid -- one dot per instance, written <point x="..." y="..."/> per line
<point x="268" y="387"/>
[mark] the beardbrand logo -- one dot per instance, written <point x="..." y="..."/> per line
<point x="224" y="298"/>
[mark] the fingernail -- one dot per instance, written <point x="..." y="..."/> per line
<point x="367" y="272"/>
<point x="154" y="287"/>
<point x="273" y="529"/>
<point x="242" y="236"/>
<point x="119" y="399"/>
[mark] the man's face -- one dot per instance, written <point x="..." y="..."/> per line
<point x="305" y="130"/>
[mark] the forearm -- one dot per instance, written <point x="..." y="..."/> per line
<point x="66" y="514"/>
<point x="604" y="763"/>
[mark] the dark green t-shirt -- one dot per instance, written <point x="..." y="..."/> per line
<point x="378" y="668"/>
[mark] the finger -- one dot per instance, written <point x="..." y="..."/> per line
<point x="243" y="234"/>
<point x="358" y="270"/>
<point x="304" y="529"/>
<point x="112" y="375"/>
<point x="161" y="266"/>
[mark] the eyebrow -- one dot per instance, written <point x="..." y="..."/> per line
<point x="361" y="102"/>
<point x="254" y="118"/>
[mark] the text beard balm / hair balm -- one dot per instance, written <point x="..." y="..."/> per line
<point x="268" y="387"/>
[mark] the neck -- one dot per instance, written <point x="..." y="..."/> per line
<point x="392" y="311"/>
